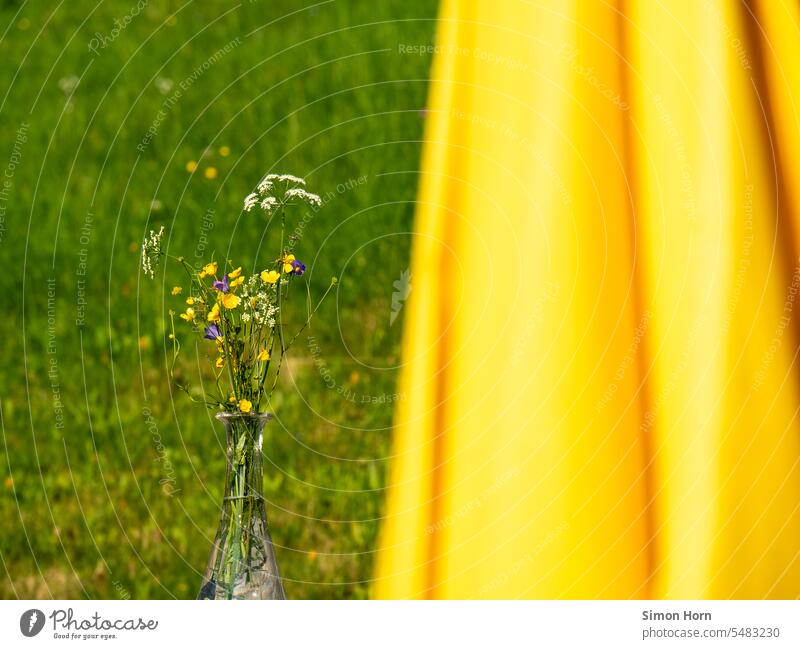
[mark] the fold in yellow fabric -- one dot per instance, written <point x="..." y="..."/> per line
<point x="600" y="382"/>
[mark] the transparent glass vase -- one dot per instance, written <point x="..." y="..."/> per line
<point x="242" y="563"/>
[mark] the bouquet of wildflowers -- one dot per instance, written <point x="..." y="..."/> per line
<point x="238" y="314"/>
<point x="238" y="317"/>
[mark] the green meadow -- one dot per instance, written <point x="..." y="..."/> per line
<point x="110" y="479"/>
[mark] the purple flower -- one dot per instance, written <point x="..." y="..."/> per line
<point x="298" y="268"/>
<point x="212" y="332"/>
<point x="222" y="285"/>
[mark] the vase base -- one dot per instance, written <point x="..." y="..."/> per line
<point x="264" y="586"/>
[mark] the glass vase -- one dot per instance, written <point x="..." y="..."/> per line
<point x="242" y="563"/>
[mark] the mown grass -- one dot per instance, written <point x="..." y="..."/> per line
<point x="97" y="500"/>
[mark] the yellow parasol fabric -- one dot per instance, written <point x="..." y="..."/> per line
<point x="600" y="381"/>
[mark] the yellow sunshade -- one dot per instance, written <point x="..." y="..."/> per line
<point x="600" y="392"/>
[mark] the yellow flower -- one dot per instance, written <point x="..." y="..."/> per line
<point x="237" y="282"/>
<point x="269" y="277"/>
<point x="231" y="399"/>
<point x="235" y="273"/>
<point x="287" y="263"/>
<point x="209" y="269"/>
<point x="224" y="151"/>
<point x="263" y="355"/>
<point x="220" y="363"/>
<point x="213" y="315"/>
<point x="230" y="301"/>
<point x="190" y="300"/>
<point x="177" y="290"/>
<point x="210" y="173"/>
<point x="245" y="405"/>
<point x="191" y="166"/>
<point x="189" y="315"/>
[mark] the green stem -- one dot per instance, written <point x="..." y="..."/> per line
<point x="285" y="348"/>
<point x="280" y="314"/>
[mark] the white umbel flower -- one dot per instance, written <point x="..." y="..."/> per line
<point x="303" y="195"/>
<point x="268" y="196"/>
<point x="151" y="252"/>
<point x="270" y="178"/>
<point x="257" y="304"/>
<point x="269" y="203"/>
<point x="250" y="201"/>
<point x="291" y="179"/>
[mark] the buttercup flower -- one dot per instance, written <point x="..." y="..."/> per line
<point x="224" y="151"/>
<point x="210" y="173"/>
<point x="212" y="332"/>
<point x="189" y="315"/>
<point x="298" y="267"/>
<point x="287" y="263"/>
<point x="235" y="273"/>
<point x="220" y="363"/>
<point x="209" y="269"/>
<point x="190" y="300"/>
<point x="191" y="166"/>
<point x="245" y="405"/>
<point x="213" y="315"/>
<point x="270" y="277"/>
<point x="263" y="355"/>
<point x="230" y="301"/>
<point x="177" y="290"/>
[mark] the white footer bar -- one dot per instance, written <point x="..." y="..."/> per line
<point x="332" y="624"/>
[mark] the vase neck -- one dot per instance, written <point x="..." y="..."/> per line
<point x="244" y="438"/>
